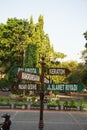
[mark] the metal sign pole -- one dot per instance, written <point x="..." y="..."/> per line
<point x="41" y="123"/>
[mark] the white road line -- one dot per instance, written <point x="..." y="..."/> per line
<point x="76" y="121"/>
<point x="14" y="115"/>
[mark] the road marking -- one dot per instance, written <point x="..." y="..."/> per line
<point x="14" y="115"/>
<point x="76" y="121"/>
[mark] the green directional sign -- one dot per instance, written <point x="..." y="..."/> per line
<point x="65" y="87"/>
<point x="30" y="70"/>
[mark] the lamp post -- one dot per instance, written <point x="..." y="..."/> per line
<point x="41" y="123"/>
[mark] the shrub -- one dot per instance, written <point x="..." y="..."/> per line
<point x="33" y="99"/>
<point x="1" y="99"/>
<point x="24" y="98"/>
<point x="58" y="102"/>
<point x="66" y="103"/>
<point x="49" y="101"/>
<point x="4" y="100"/>
<point x="81" y="101"/>
<point x="73" y="103"/>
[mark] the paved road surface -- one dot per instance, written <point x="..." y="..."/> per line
<point x="28" y="120"/>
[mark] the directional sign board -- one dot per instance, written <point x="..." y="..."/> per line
<point x="31" y="77"/>
<point x="65" y="87"/>
<point x="58" y="71"/>
<point x="30" y="70"/>
<point x="28" y="76"/>
<point x="27" y="86"/>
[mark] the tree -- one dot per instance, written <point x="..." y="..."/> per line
<point x="84" y="52"/>
<point x="30" y="56"/>
<point x="22" y="43"/>
<point x="79" y="75"/>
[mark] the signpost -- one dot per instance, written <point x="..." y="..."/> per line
<point x="58" y="71"/>
<point x="32" y="75"/>
<point x="65" y="87"/>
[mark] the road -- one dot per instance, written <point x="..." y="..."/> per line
<point x="53" y="120"/>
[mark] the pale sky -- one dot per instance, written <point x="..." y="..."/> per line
<point x="65" y="21"/>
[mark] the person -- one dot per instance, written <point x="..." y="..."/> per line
<point x="7" y="122"/>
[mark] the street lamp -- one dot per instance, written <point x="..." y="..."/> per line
<point x="41" y="123"/>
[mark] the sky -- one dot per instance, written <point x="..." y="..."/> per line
<point x="65" y="21"/>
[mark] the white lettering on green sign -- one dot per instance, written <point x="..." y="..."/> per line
<point x="30" y="70"/>
<point x="55" y="87"/>
<point x="71" y="87"/>
<point x="64" y="87"/>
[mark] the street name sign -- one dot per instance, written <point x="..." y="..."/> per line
<point x="58" y="71"/>
<point x="27" y="86"/>
<point x="30" y="70"/>
<point x="28" y="76"/>
<point x="65" y="87"/>
<point x="31" y="77"/>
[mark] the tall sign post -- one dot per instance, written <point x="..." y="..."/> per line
<point x="41" y="123"/>
<point x="33" y="77"/>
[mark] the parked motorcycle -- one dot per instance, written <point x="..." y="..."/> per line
<point x="7" y="122"/>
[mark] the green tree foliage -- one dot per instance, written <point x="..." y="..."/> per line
<point x="84" y="76"/>
<point x="79" y="74"/>
<point x="12" y="41"/>
<point x="31" y="56"/>
<point x="85" y="35"/>
<point x="22" y="43"/>
<point x="84" y="52"/>
<point x="75" y="76"/>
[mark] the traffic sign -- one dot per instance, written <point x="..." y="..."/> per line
<point x="65" y="87"/>
<point x="27" y="86"/>
<point x="30" y="70"/>
<point x="58" y="71"/>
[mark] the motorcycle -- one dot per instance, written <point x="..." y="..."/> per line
<point x="7" y="122"/>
